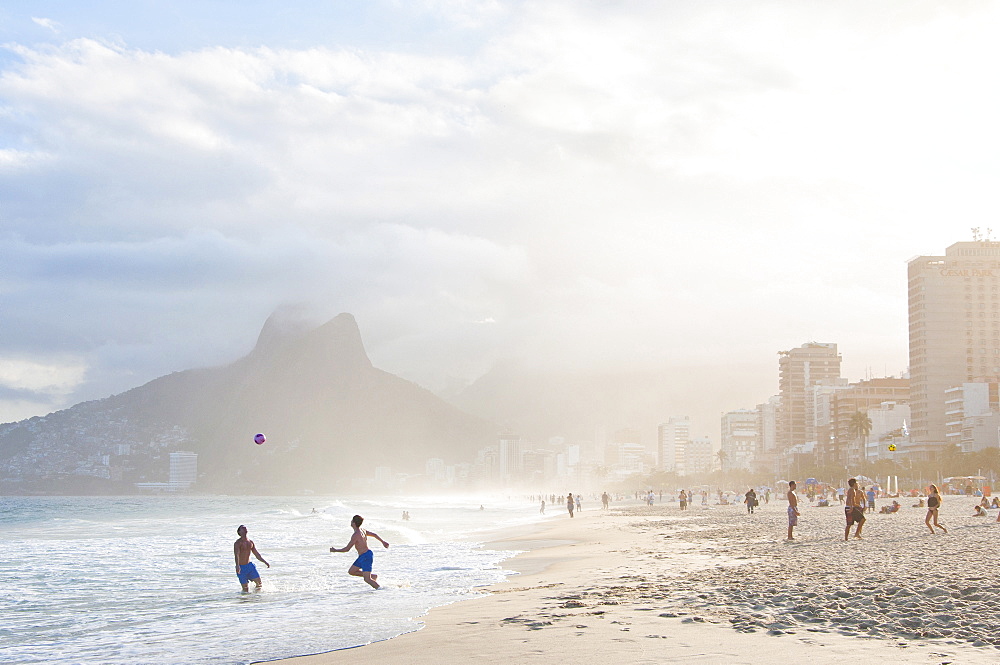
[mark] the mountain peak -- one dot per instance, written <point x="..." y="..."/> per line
<point x="291" y="337"/>
<point x="342" y="336"/>
<point x="286" y="324"/>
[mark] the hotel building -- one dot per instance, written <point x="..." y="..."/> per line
<point x="954" y="311"/>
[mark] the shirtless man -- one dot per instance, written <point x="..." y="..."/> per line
<point x="854" y="509"/>
<point x="362" y="566"/>
<point x="242" y="549"/>
<point x="793" y="509"/>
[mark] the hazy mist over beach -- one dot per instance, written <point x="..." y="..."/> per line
<point x="663" y="194"/>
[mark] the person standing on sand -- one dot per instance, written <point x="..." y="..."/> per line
<point x="870" y="495"/>
<point x="933" y="504"/>
<point x="683" y="498"/>
<point x="605" y="500"/>
<point x="750" y="498"/>
<point x="542" y="511"/>
<point x="569" y="504"/>
<point x="362" y="566"/>
<point x="242" y="549"/>
<point x="854" y="508"/>
<point x="793" y="509"/>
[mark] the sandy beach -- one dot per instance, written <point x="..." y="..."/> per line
<point x="715" y="585"/>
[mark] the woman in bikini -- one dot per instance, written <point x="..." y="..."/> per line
<point x="933" y="504"/>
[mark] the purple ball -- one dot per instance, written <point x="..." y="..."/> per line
<point x="259" y="439"/>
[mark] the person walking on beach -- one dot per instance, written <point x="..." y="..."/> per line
<point x="242" y="549"/>
<point x="870" y="495"/>
<point x="793" y="509"/>
<point x="569" y="504"/>
<point x="362" y="566"/>
<point x="683" y="498"/>
<point x="933" y="504"/>
<point x="605" y="500"/>
<point x="854" y="508"/>
<point x="542" y="510"/>
<point x="750" y="498"/>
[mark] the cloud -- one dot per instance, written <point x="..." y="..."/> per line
<point x="47" y="23"/>
<point x="31" y="386"/>
<point x="52" y="378"/>
<point x="605" y="185"/>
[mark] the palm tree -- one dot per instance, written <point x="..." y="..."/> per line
<point x="860" y="427"/>
<point x="723" y="456"/>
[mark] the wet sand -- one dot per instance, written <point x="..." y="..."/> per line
<point x="652" y="584"/>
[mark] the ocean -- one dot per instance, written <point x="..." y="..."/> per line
<point x="135" y="580"/>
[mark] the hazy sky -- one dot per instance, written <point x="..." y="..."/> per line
<point x="579" y="184"/>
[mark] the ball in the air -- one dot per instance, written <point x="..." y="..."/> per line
<point x="259" y="439"/>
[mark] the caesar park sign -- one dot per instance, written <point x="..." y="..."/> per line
<point x="969" y="272"/>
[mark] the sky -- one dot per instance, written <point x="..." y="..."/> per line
<point x="573" y="185"/>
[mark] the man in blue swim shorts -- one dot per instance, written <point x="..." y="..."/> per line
<point x="362" y="566"/>
<point x="246" y="571"/>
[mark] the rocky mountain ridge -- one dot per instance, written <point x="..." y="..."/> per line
<point x="329" y="416"/>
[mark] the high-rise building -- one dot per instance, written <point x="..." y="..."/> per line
<point x="698" y="456"/>
<point x="629" y="454"/>
<point x="819" y="415"/>
<point x="971" y="409"/>
<point x="888" y="426"/>
<point x="861" y="396"/>
<point x="510" y="457"/>
<point x="671" y="438"/>
<point x="954" y="306"/>
<point x="767" y="428"/>
<point x="183" y="469"/>
<point x="434" y="469"/>
<point x="798" y="369"/>
<point x="740" y="439"/>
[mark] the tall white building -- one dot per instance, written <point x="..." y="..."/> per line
<point x="698" y="457"/>
<point x="954" y="309"/>
<point x="739" y="440"/>
<point x="435" y="470"/>
<point x="799" y="369"/>
<point x="889" y="422"/>
<point x="183" y="469"/>
<point x="972" y="412"/>
<point x="671" y="439"/>
<point x="510" y="457"/>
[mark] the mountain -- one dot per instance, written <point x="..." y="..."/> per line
<point x="589" y="406"/>
<point x="330" y="417"/>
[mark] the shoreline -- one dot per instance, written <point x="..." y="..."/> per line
<point x="651" y="584"/>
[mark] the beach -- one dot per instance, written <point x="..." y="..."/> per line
<point x="715" y="585"/>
